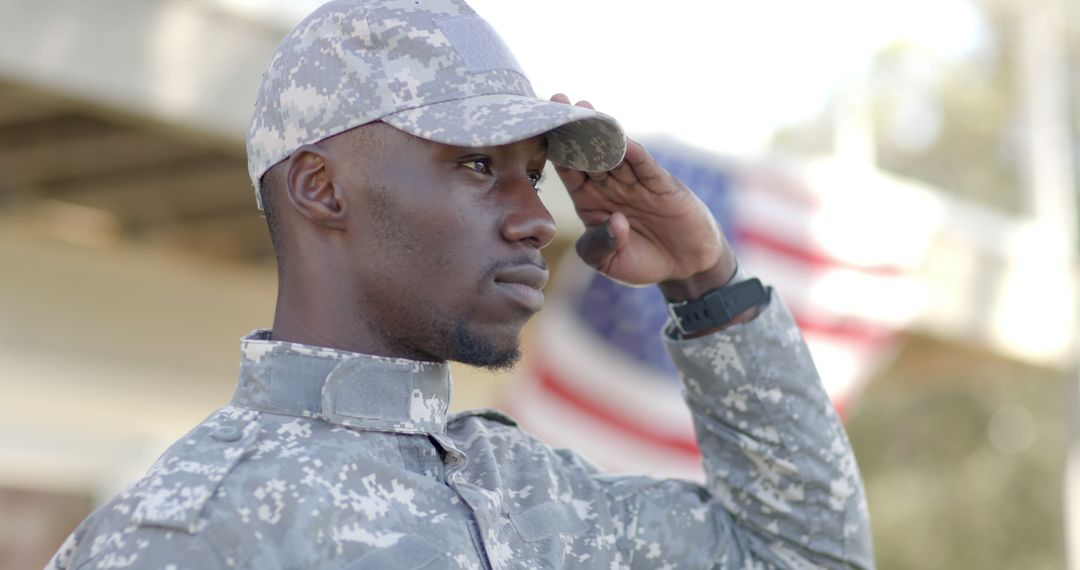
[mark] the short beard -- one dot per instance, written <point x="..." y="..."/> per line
<point x="469" y="348"/>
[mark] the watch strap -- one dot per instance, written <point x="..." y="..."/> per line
<point x="717" y="307"/>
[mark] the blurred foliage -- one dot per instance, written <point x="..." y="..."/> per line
<point x="950" y="121"/>
<point x="941" y="494"/>
<point x="956" y="131"/>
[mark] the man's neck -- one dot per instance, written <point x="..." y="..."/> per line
<point x="318" y="320"/>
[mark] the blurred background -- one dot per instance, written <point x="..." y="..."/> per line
<point x="904" y="173"/>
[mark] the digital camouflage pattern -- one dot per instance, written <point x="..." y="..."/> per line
<point x="329" y="459"/>
<point x="432" y="68"/>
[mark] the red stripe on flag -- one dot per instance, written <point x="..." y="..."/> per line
<point x="789" y="190"/>
<point x="583" y="404"/>
<point x="815" y="259"/>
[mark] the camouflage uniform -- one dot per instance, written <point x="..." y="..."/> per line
<point x="329" y="459"/>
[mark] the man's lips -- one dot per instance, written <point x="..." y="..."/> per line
<point x="527" y="274"/>
<point x="524" y="283"/>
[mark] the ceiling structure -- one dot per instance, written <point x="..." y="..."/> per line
<point x="93" y="177"/>
<point x="125" y="120"/>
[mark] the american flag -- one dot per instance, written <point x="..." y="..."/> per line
<point x="598" y="379"/>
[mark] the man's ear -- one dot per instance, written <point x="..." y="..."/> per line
<point x="311" y="190"/>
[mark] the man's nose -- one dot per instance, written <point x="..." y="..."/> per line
<point x="527" y="218"/>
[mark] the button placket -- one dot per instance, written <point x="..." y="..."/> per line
<point x="455" y="461"/>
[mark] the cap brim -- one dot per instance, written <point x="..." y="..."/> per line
<point x="578" y="138"/>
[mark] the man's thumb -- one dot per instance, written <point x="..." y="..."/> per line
<point x="597" y="245"/>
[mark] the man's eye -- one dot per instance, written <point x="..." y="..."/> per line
<point x="536" y="177"/>
<point x="478" y="165"/>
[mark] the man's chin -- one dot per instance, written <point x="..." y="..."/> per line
<point x="476" y="350"/>
<point x="501" y="362"/>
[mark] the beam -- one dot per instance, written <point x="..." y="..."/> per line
<point x="36" y="130"/>
<point x="17" y="106"/>
<point x="73" y="157"/>
<point x="233" y="234"/>
<point x="159" y="193"/>
<point x="177" y="62"/>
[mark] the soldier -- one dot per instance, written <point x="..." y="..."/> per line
<point x="396" y="147"/>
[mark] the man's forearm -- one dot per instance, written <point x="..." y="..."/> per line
<point x="775" y="454"/>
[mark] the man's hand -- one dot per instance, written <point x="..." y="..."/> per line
<point x="643" y="226"/>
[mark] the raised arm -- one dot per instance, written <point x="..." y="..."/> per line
<point x="782" y="487"/>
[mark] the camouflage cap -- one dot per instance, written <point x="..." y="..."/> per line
<point x="432" y="68"/>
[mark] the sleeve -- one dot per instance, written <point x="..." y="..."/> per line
<point x="782" y="488"/>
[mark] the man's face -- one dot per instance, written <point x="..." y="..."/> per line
<point x="447" y="244"/>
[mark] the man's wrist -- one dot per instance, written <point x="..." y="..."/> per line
<point x="697" y="285"/>
<point x="723" y="274"/>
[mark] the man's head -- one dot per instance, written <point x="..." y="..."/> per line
<point x="428" y="251"/>
<point x="395" y="146"/>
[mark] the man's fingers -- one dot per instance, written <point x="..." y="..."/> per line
<point x="572" y="179"/>
<point x="601" y="242"/>
<point x="624" y="173"/>
<point x="560" y="98"/>
<point x="645" y="166"/>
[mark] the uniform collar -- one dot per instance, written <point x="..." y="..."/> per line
<point x="341" y="387"/>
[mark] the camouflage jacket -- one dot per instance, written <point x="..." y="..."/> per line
<point x="328" y="459"/>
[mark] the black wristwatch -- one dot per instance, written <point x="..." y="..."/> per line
<point x="717" y="307"/>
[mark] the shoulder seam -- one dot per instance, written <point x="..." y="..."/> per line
<point x="486" y="413"/>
